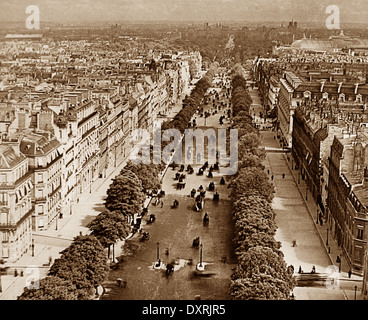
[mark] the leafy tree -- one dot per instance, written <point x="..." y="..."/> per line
<point x="147" y="173"/>
<point x="125" y="195"/>
<point x="84" y="263"/>
<point x="109" y="227"/>
<point x="51" y="288"/>
<point x="251" y="224"/>
<point x="268" y="268"/>
<point x="259" y="238"/>
<point x="249" y="180"/>
<point x="259" y="287"/>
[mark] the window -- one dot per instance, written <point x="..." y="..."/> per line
<point x="40" y="223"/>
<point x="360" y="232"/>
<point x="3" y="178"/>
<point x="3" y="218"/>
<point x="40" y="178"/>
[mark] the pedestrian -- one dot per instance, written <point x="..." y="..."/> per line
<point x="272" y="177"/>
<point x="268" y="171"/>
<point x="349" y="273"/>
<point x="162" y="204"/>
<point x="300" y="269"/>
<point x="313" y="269"/>
<point x="283" y="175"/>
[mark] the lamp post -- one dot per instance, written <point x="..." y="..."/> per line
<point x="158" y="251"/>
<point x="306" y="193"/>
<point x="355" y="288"/>
<point x="33" y="246"/>
<point x="317" y="217"/>
<point x="200" y="255"/>
<point x="327" y="237"/>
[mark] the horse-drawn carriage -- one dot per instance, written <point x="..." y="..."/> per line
<point x="152" y="218"/>
<point x="206" y="219"/>
<point x="175" y="204"/>
<point x="199" y="203"/>
<point x="211" y="186"/>
<point x="192" y="193"/>
<point x="145" y="236"/>
<point x="196" y="242"/>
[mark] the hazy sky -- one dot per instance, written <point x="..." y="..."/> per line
<point x="198" y="10"/>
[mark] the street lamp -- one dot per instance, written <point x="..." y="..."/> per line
<point x="317" y="217"/>
<point x="327" y="237"/>
<point x="200" y="255"/>
<point x="355" y="287"/>
<point x="158" y="251"/>
<point x="306" y="193"/>
<point x="32" y="247"/>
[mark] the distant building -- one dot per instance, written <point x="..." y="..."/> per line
<point x="31" y="36"/>
<point x="334" y="43"/>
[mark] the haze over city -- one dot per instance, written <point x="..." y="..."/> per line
<point x="189" y="10"/>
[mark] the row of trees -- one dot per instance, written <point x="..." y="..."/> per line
<point x="83" y="266"/>
<point x="192" y="102"/>
<point x="261" y="272"/>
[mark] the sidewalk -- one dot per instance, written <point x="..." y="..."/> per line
<point x="294" y="198"/>
<point x="324" y="233"/>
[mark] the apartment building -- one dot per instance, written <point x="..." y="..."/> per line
<point x="16" y="208"/>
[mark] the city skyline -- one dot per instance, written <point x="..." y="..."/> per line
<point x="84" y="11"/>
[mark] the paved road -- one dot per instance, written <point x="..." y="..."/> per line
<point x="175" y="229"/>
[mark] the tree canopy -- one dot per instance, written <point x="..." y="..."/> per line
<point x="109" y="227"/>
<point x="84" y="263"/>
<point x="125" y="195"/>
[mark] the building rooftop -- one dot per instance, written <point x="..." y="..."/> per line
<point x="10" y="157"/>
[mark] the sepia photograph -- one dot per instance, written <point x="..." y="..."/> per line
<point x="186" y="155"/>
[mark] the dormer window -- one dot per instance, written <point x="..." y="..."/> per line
<point x="342" y="97"/>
